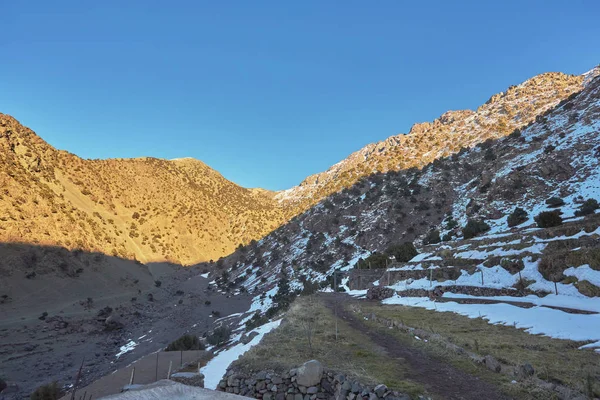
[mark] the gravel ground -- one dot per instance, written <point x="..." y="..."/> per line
<point x="35" y="352"/>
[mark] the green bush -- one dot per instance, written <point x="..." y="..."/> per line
<point x="374" y="261"/>
<point x="588" y="207"/>
<point x="402" y="252"/>
<point x="432" y="237"/>
<point x="186" y="342"/>
<point x="548" y="219"/>
<point x="517" y="217"/>
<point x="50" y="391"/>
<point x="555" y="202"/>
<point x="474" y="227"/>
<point x="219" y="336"/>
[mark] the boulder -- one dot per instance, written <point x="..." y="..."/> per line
<point x="310" y="373"/>
<point x="380" y="390"/>
<point x="247" y="338"/>
<point x="492" y="364"/>
<point x="524" y="371"/>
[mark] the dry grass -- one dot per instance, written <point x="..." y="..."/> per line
<point x="554" y="360"/>
<point x="353" y="353"/>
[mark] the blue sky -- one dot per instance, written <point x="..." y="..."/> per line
<point x="269" y="92"/>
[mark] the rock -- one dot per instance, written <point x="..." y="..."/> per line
<point x="492" y="364"/>
<point x="276" y="379"/>
<point x="356" y="388"/>
<point x="298" y="396"/>
<point x="380" y="390"/>
<point x="312" y="390"/>
<point x="261" y="376"/>
<point x="309" y="374"/>
<point x="267" y="396"/>
<point x="247" y="338"/>
<point x="525" y="370"/>
<point x="372" y="396"/>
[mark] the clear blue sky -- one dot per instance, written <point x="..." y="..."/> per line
<point x="268" y="92"/>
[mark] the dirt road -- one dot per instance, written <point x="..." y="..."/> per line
<point x="441" y="379"/>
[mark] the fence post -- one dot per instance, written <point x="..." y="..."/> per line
<point x="132" y="376"/>
<point x="156" y="378"/>
<point x="170" y="366"/>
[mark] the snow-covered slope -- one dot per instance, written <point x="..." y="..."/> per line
<point x="557" y="155"/>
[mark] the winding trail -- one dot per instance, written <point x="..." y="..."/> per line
<point x="441" y="379"/>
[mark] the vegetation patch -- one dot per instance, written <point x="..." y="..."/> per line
<point x="554" y="360"/>
<point x="309" y="332"/>
<point x="186" y="342"/>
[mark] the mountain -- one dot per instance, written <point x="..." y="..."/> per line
<point x="499" y="116"/>
<point x="145" y="208"/>
<point x="552" y="163"/>
<point x="183" y="211"/>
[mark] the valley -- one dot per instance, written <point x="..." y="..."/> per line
<point x="458" y="261"/>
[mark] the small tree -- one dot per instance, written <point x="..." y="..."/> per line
<point x="402" y="252"/>
<point x="517" y="217"/>
<point x="548" y="219"/>
<point x="588" y="207"/>
<point x="219" y="336"/>
<point x="374" y="261"/>
<point x="186" y="342"/>
<point x="432" y="237"/>
<point x="555" y="202"/>
<point x="50" y="391"/>
<point x="474" y="227"/>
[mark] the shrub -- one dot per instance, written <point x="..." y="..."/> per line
<point x="375" y="260"/>
<point x="548" y="219"/>
<point x="50" y="391"/>
<point x="186" y="342"/>
<point x="588" y="289"/>
<point x="517" y="217"/>
<point x="432" y="237"/>
<point x="588" y="207"/>
<point x="489" y="155"/>
<point x="402" y="252"/>
<point x="219" y="336"/>
<point x="474" y="227"/>
<point x="555" y="202"/>
<point x="157" y="283"/>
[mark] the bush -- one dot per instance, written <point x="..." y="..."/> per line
<point x="474" y="227"/>
<point x="50" y="391"/>
<point x="219" y="336"/>
<point x="588" y="207"/>
<point x="548" y="219"/>
<point x="555" y="202"/>
<point x="517" y="217"/>
<point x="403" y="252"/>
<point x="157" y="283"/>
<point x="432" y="237"/>
<point x="186" y="342"/>
<point x="374" y="261"/>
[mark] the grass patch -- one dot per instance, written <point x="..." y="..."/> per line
<point x="554" y="360"/>
<point x="308" y="332"/>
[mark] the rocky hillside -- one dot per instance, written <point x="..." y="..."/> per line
<point x="149" y="209"/>
<point x="454" y="130"/>
<point x="183" y="211"/>
<point x="550" y="164"/>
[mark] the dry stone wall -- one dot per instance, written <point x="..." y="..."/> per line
<point x="308" y="382"/>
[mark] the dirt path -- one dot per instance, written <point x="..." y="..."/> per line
<point x="442" y="380"/>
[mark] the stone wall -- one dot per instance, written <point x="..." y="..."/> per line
<point x="309" y="382"/>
